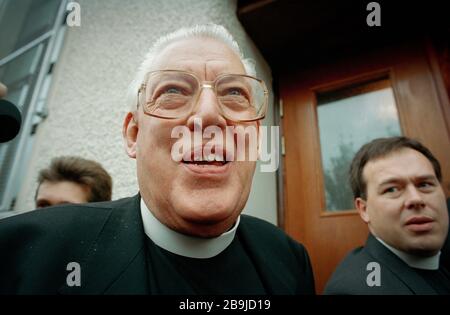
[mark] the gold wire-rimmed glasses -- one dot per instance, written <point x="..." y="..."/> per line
<point x="173" y="94"/>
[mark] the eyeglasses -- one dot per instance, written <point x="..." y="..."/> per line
<point x="172" y="94"/>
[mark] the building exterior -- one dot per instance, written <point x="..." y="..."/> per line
<point x="81" y="106"/>
<point x="340" y="73"/>
<point x="347" y="72"/>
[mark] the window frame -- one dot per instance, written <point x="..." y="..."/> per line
<point x="35" y="110"/>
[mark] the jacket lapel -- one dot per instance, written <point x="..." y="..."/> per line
<point x="399" y="268"/>
<point x="115" y="262"/>
<point x="268" y="264"/>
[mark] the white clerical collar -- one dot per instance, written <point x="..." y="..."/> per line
<point x="184" y="245"/>
<point x="428" y="263"/>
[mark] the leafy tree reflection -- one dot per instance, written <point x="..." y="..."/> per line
<point x="338" y="191"/>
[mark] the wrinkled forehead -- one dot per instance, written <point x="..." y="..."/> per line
<point x="199" y="54"/>
<point x="402" y="163"/>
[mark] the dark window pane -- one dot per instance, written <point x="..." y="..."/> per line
<point x="348" y="118"/>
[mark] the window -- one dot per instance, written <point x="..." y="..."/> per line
<point x="32" y="32"/>
<point x="348" y="118"/>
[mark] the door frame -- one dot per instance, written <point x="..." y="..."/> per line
<point x="295" y="218"/>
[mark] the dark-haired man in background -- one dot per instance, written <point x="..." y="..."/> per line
<point x="397" y="191"/>
<point x="71" y="179"/>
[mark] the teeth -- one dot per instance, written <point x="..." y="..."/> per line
<point x="209" y="158"/>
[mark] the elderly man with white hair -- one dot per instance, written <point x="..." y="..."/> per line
<point x="183" y="233"/>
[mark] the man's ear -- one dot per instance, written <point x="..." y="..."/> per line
<point x="129" y="132"/>
<point x="361" y="206"/>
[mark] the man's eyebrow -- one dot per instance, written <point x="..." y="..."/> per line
<point x="391" y="180"/>
<point x="426" y="177"/>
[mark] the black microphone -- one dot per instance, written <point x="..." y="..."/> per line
<point x="10" y="121"/>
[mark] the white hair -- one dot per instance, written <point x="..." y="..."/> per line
<point x="208" y="30"/>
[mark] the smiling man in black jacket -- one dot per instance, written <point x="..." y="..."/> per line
<point x="184" y="232"/>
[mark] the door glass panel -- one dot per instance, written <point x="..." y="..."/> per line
<point x="348" y="118"/>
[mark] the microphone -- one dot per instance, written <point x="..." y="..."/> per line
<point x="10" y="121"/>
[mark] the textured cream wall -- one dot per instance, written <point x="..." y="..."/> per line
<point x="97" y="62"/>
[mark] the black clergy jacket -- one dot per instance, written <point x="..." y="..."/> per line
<point x="396" y="277"/>
<point x="108" y="242"/>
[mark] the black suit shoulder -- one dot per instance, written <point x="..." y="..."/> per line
<point x="351" y="274"/>
<point x="106" y="239"/>
<point x="69" y="222"/>
<point x="37" y="246"/>
<point x="270" y="235"/>
<point x="355" y="275"/>
<point x="285" y="254"/>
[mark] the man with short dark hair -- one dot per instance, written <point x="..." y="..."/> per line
<point x="71" y="179"/>
<point x="397" y="191"/>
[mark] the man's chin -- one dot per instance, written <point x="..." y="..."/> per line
<point x="205" y="231"/>
<point x="424" y="251"/>
<point x="425" y="247"/>
<point x="206" y="214"/>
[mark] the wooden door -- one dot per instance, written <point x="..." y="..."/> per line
<point x="422" y="114"/>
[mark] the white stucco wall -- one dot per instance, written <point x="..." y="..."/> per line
<point x="98" y="60"/>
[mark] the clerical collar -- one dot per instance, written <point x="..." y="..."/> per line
<point x="184" y="245"/>
<point x="427" y="263"/>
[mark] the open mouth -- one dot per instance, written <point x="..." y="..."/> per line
<point x="198" y="159"/>
<point x="206" y="163"/>
<point x="213" y="165"/>
<point x="213" y="161"/>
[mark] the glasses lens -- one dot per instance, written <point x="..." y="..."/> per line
<point x="241" y="97"/>
<point x="169" y="93"/>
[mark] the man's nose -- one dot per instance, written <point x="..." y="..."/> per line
<point x="414" y="198"/>
<point x="207" y="109"/>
